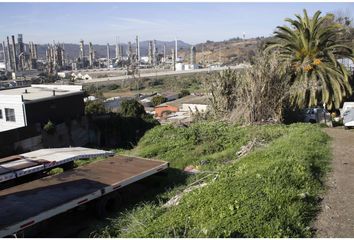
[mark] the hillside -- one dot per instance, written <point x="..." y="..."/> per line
<point x="228" y="51"/>
<point x="270" y="192"/>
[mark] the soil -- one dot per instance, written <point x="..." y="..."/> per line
<point x="336" y="220"/>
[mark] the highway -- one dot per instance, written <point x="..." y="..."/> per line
<point x="154" y="74"/>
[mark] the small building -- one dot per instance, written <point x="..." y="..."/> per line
<point x="20" y="107"/>
<point x="165" y="109"/>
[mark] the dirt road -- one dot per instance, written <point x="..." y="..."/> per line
<point x="337" y="216"/>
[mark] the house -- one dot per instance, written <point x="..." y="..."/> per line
<point x="25" y="106"/>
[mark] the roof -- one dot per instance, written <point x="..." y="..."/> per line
<point x="190" y="99"/>
<point x="37" y="92"/>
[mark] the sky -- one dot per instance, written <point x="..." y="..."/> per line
<point x="101" y="23"/>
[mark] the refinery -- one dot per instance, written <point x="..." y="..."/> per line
<point x="21" y="60"/>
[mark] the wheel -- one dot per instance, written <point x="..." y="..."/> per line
<point x="106" y="205"/>
<point x="68" y="166"/>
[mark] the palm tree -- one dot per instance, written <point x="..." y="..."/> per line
<point x="313" y="47"/>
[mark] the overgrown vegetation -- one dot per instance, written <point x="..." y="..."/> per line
<point x="271" y="192"/>
<point x="131" y="108"/>
<point x="95" y="107"/>
<point x="157" y="100"/>
<point x="251" y="95"/>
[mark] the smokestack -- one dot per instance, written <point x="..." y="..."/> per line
<point x="193" y="55"/>
<point x="20" y="43"/>
<point x="118" y="52"/>
<point x="82" y="50"/>
<point x="176" y="50"/>
<point x="154" y="53"/>
<point x="91" y="54"/>
<point x="164" y="53"/>
<point x="4" y="55"/>
<point x="137" y="49"/>
<point x="173" y="59"/>
<point x="9" y="53"/>
<point x="14" y="58"/>
<point x="108" y="56"/>
<point x="150" y="53"/>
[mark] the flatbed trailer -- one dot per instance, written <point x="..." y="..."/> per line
<point x="17" y="166"/>
<point x="25" y="205"/>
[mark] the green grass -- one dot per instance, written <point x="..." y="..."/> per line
<point x="205" y="144"/>
<point x="271" y="192"/>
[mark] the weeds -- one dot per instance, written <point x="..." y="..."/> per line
<point x="271" y="192"/>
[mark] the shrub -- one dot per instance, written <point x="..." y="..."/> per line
<point x="183" y="93"/>
<point x="49" y="127"/>
<point x="95" y="107"/>
<point x="132" y="108"/>
<point x="157" y="100"/>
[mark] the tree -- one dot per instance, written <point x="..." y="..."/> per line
<point x="157" y="100"/>
<point x="132" y="108"/>
<point x="95" y="107"/>
<point x="313" y="46"/>
<point x="184" y="93"/>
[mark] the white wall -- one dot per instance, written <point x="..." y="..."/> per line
<point x="59" y="87"/>
<point x="14" y="102"/>
<point x="187" y="107"/>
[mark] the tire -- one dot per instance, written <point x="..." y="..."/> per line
<point x="68" y="166"/>
<point x="106" y="205"/>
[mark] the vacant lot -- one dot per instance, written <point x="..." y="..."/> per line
<point x="273" y="191"/>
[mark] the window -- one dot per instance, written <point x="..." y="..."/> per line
<point x="0" y="114"/>
<point x="10" y="115"/>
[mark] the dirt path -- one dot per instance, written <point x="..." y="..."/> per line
<point x="337" y="216"/>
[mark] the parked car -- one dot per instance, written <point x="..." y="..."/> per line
<point x="316" y="115"/>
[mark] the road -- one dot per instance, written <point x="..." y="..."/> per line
<point x="154" y="74"/>
<point x="336" y="219"/>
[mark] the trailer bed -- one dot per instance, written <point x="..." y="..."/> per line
<point x="17" y="166"/>
<point x="29" y="203"/>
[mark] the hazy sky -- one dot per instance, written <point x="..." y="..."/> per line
<point x="191" y="22"/>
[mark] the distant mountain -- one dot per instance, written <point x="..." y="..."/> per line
<point x="73" y="50"/>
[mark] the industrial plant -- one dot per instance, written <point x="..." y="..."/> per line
<point x="21" y="60"/>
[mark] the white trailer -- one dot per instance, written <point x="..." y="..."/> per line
<point x="32" y="162"/>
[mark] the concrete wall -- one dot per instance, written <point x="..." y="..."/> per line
<point x="75" y="133"/>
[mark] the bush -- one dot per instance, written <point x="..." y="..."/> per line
<point x="95" y="107"/>
<point x="132" y="108"/>
<point x="49" y="127"/>
<point x="183" y="93"/>
<point x="157" y="100"/>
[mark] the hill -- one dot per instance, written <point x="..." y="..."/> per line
<point x="229" y="51"/>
